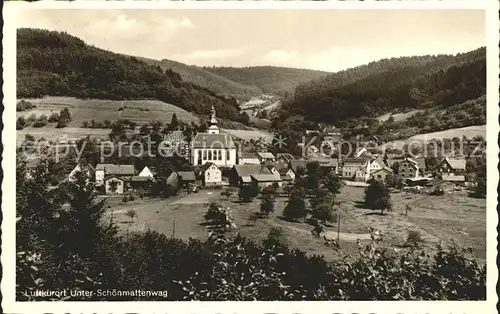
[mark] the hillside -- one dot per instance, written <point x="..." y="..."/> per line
<point x="57" y="64"/>
<point x="272" y="80"/>
<point x="391" y="85"/>
<point x="199" y="76"/>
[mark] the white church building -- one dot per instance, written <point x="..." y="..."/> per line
<point x="214" y="147"/>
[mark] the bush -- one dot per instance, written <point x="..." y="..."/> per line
<point x="20" y="123"/>
<point x="414" y="238"/>
<point x="296" y="207"/>
<point x="54" y="181"/>
<point x="54" y="117"/>
<point x="61" y="124"/>
<point x="267" y="205"/>
<point x="41" y="121"/>
<point x="24" y="105"/>
<point x="31" y="118"/>
<point x="437" y="191"/>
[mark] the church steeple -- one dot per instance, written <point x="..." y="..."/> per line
<point x="213" y="129"/>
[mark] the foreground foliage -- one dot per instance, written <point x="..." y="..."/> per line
<point x="64" y="241"/>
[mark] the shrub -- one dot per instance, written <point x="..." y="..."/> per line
<point x="296" y="207"/>
<point x="54" y="117"/>
<point x="414" y="238"/>
<point x="267" y="205"/>
<point x="20" y="123"/>
<point x="31" y="118"/>
<point x="41" y="121"/>
<point x="437" y="191"/>
<point x="85" y="124"/>
<point x="61" y="124"/>
<point x="24" y="105"/>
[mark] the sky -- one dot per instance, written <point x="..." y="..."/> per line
<point x="328" y="40"/>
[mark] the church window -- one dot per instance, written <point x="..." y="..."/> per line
<point x="204" y="155"/>
<point x="209" y="155"/>
<point x="220" y="154"/>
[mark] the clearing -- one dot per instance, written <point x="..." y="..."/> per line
<point x="139" y="111"/>
<point x="438" y="219"/>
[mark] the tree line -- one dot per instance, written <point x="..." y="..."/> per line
<point x="53" y="63"/>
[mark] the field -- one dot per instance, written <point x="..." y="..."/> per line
<point x="139" y="111"/>
<point x="397" y="116"/>
<point x="438" y="219"/>
<point x="247" y="135"/>
<point x="469" y="132"/>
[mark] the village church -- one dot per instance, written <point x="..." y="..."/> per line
<point x="212" y="146"/>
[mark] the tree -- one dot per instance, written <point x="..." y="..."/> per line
<point x="131" y="214"/>
<point x="174" y="123"/>
<point x="377" y="196"/>
<point x="21" y="123"/>
<point x="296" y="207"/>
<point x="332" y="182"/>
<point x="267" y="205"/>
<point x="65" y="115"/>
<point x="54" y="117"/>
<point x="313" y="177"/>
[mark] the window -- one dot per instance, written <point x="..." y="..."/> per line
<point x="209" y="155"/>
<point x="220" y="154"/>
<point x="204" y="155"/>
<point x="228" y="156"/>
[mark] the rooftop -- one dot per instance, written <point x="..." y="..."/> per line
<point x="121" y="170"/>
<point x="266" y="177"/>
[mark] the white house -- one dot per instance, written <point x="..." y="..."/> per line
<point x="211" y="174"/>
<point x="114" y="185"/>
<point x="213" y="147"/>
<point x="101" y="170"/>
<point x="351" y="167"/>
<point x="375" y="165"/>
<point x="146" y="172"/>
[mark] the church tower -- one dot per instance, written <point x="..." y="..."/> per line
<point x="213" y="129"/>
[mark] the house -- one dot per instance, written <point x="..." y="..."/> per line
<point x="361" y="174"/>
<point x="114" y="185"/>
<point x="248" y="158"/>
<point x="266" y="157"/>
<point x="375" y="164"/>
<point x="101" y="170"/>
<point x="284" y="157"/>
<point x="146" y="172"/>
<point x="240" y="174"/>
<point x="140" y="182"/>
<point x="264" y="180"/>
<point x="453" y="166"/>
<point x="211" y="174"/>
<point x="30" y="167"/>
<point x="287" y="175"/>
<point x="186" y="177"/>
<point x="351" y="166"/>
<point x="408" y="169"/>
<point x="381" y="174"/>
<point x="214" y="147"/>
<point x="327" y="164"/>
<point x="456" y="179"/>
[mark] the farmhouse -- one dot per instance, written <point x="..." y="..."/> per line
<point x="355" y="168"/>
<point x="453" y="165"/>
<point x="408" y="169"/>
<point x="186" y="177"/>
<point x="114" y="185"/>
<point x="240" y="174"/>
<point x="213" y="147"/>
<point x="211" y="174"/>
<point x="139" y="182"/>
<point x="381" y="174"/>
<point x="264" y="180"/>
<point x="101" y="170"/>
<point x="248" y="158"/>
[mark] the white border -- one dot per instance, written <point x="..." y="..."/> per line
<point x="9" y="305"/>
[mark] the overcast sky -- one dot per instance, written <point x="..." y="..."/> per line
<point x="329" y="40"/>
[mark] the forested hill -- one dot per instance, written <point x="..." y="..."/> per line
<point x="58" y="64"/>
<point x="270" y="79"/>
<point x="199" y="76"/>
<point x="391" y="85"/>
